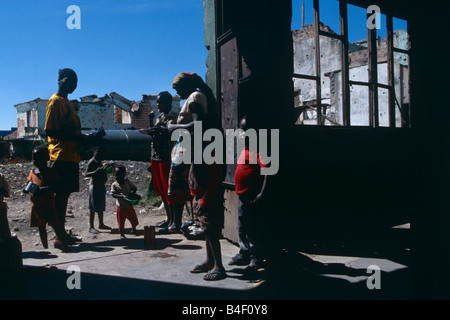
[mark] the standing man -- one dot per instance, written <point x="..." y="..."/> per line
<point x="63" y="129"/>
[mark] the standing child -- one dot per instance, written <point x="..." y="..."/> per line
<point x="160" y="155"/>
<point x="250" y="187"/>
<point x="97" y="189"/>
<point x="121" y="188"/>
<point x="41" y="182"/>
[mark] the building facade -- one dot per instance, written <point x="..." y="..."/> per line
<point x="111" y="112"/>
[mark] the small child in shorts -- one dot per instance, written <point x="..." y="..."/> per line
<point x="121" y="188"/>
<point x="97" y="190"/>
<point x="40" y="184"/>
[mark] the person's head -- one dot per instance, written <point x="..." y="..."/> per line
<point x="243" y="123"/>
<point x="67" y="80"/>
<point x="120" y="172"/>
<point x="250" y="121"/>
<point x="99" y="152"/>
<point x="246" y="123"/>
<point x="40" y="156"/>
<point x="164" y="101"/>
<point x="186" y="83"/>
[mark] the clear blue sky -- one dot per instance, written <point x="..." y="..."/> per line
<point x="130" y="47"/>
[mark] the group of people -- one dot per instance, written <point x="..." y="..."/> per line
<point x="176" y="182"/>
<point x="56" y="172"/>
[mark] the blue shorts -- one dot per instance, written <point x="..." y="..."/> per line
<point x="97" y="198"/>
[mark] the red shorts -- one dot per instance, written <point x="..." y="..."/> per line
<point x="124" y="214"/>
<point x="160" y="172"/>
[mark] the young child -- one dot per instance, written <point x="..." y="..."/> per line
<point x="97" y="190"/>
<point x="4" y="193"/>
<point x="120" y="189"/>
<point x="160" y="156"/>
<point x="40" y="182"/>
<point x="250" y="187"/>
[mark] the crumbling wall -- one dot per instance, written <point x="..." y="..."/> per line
<point x="305" y="60"/>
<point x="30" y="117"/>
<point x="331" y="76"/>
<point x="141" y="109"/>
<point x="94" y="116"/>
<point x="21" y="124"/>
<point x="94" y="113"/>
<point x="305" y="63"/>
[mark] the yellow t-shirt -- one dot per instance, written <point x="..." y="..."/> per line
<point x="62" y="116"/>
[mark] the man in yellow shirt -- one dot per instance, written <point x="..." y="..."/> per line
<point x="63" y="129"/>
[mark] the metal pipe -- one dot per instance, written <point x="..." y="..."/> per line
<point x="123" y="145"/>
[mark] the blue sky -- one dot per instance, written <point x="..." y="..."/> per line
<point x="130" y="47"/>
<point x="329" y="15"/>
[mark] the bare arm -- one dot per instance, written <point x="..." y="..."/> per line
<point x="197" y="115"/>
<point x="61" y="135"/>
<point x="118" y="195"/>
<point x="90" y="172"/>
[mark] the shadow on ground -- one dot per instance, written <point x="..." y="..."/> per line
<point x="290" y="273"/>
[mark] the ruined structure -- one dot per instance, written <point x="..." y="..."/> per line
<point x="141" y="109"/>
<point x="354" y="182"/>
<point x="112" y="112"/>
<point x="331" y="78"/>
<point x="30" y="118"/>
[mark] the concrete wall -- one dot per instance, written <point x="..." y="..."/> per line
<point x="305" y="61"/>
<point x="331" y="77"/>
<point x="231" y="216"/>
<point x="37" y="117"/>
<point x="209" y="24"/>
<point x="94" y="116"/>
<point x="141" y="109"/>
<point x="359" y="95"/>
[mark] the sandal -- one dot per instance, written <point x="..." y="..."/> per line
<point x="162" y="224"/>
<point x="199" y="269"/>
<point x="215" y="275"/>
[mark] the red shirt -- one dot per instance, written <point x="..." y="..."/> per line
<point x="247" y="177"/>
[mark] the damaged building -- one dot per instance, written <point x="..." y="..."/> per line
<point x="361" y="160"/>
<point x="112" y="112"/>
<point x="331" y="51"/>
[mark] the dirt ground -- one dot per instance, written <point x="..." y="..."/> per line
<point x="77" y="219"/>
